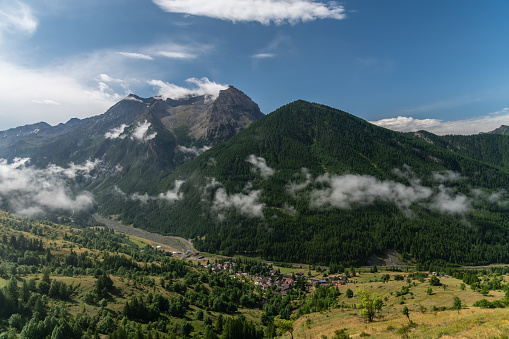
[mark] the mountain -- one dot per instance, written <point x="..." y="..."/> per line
<point x="501" y="130"/>
<point x="491" y="148"/>
<point x="309" y="183"/>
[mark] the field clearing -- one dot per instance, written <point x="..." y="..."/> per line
<point x="466" y="323"/>
<point x="469" y="322"/>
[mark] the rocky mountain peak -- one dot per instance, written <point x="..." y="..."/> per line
<point x="231" y="111"/>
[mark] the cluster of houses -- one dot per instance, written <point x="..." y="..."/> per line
<point x="281" y="283"/>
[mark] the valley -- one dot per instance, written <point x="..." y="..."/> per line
<point x="168" y="243"/>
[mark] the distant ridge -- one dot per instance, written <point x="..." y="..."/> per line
<point x="501" y="130"/>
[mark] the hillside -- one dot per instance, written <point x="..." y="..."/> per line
<point x="314" y="184"/>
<point x="491" y="148"/>
<point x="88" y="282"/>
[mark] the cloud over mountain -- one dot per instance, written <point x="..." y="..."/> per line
<point x="260" y="164"/>
<point x="351" y="191"/>
<point x="203" y="87"/>
<point x="170" y="195"/>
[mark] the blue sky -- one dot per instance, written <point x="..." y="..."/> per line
<point x="436" y="65"/>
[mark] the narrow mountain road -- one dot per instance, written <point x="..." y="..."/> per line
<point x="167" y="242"/>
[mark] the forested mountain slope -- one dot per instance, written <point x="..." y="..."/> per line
<point x="492" y="148"/>
<point x="315" y="184"/>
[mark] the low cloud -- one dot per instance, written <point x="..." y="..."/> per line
<point x="74" y="170"/>
<point x="131" y="98"/>
<point x="141" y="132"/>
<point x="246" y="204"/>
<point x="170" y="195"/>
<point x="447" y="201"/>
<point x="349" y="191"/>
<point x="174" y="194"/>
<point x="294" y="187"/>
<point x="262" y="11"/>
<point x="260" y="164"/>
<point x="203" y="87"/>
<point x="30" y="191"/>
<point x="115" y="133"/>
<point x="482" y="124"/>
<point x="447" y="176"/>
<point x="193" y="150"/>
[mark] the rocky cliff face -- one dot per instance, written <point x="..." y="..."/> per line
<point x="214" y="120"/>
<point x="231" y="112"/>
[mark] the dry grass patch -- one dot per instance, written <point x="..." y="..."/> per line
<point x="467" y="323"/>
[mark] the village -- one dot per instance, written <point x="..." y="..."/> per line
<point x="279" y="283"/>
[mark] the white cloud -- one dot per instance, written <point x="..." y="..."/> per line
<point x="106" y="78"/>
<point x="407" y="124"/>
<point x="174" y="194"/>
<point x="136" y="55"/>
<point x="263" y="56"/>
<point x="350" y="190"/>
<point x="176" y="55"/>
<point x="447" y="176"/>
<point x="131" y="98"/>
<point x="193" y="150"/>
<point x="30" y="191"/>
<point x="246" y="204"/>
<point x="103" y="91"/>
<point x="74" y="170"/>
<point x="16" y="16"/>
<point x="263" y="11"/>
<point x="447" y="202"/>
<point x="21" y="90"/>
<point x="170" y="195"/>
<point x="115" y="132"/>
<point x="260" y="164"/>
<point x="294" y="187"/>
<point x="476" y="125"/>
<point x="203" y="87"/>
<point x="141" y="132"/>
<point x="46" y="102"/>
